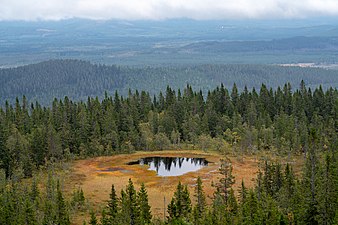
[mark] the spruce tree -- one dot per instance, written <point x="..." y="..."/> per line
<point x="218" y="209"/>
<point x="243" y="192"/>
<point x="145" y="212"/>
<point x="232" y="207"/>
<point x="226" y="180"/>
<point x="130" y="210"/>
<point x="310" y="182"/>
<point x="327" y="196"/>
<point x="93" y="219"/>
<point x="186" y="203"/>
<point x="63" y="216"/>
<point x="180" y="205"/>
<point x="112" y="210"/>
<point x="200" y="202"/>
<point x="105" y="220"/>
<point x="30" y="213"/>
<point x="250" y="212"/>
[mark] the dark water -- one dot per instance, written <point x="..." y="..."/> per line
<point x="172" y="166"/>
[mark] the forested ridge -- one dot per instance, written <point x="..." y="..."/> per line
<point x="78" y="79"/>
<point x="281" y="121"/>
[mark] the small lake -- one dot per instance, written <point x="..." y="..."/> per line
<point x="172" y="166"/>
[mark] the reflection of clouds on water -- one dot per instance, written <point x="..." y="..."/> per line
<point x="173" y="166"/>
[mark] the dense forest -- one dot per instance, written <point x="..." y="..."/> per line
<point x="280" y="121"/>
<point x="79" y="79"/>
<point x="287" y="44"/>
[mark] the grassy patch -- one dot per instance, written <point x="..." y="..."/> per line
<point x="96" y="175"/>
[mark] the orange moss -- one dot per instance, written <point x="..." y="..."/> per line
<point x="96" y="175"/>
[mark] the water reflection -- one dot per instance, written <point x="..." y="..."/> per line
<point x="172" y="166"/>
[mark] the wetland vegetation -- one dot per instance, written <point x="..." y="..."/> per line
<point x="232" y="124"/>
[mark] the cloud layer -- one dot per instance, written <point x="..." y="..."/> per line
<point x="165" y="9"/>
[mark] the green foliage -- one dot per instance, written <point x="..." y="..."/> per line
<point x="63" y="217"/>
<point x="226" y="180"/>
<point x="180" y="206"/>
<point x="112" y="210"/>
<point x="79" y="79"/>
<point x="21" y="204"/>
<point x="130" y="206"/>
<point x="247" y="121"/>
<point x="145" y="210"/>
<point x="280" y="121"/>
<point x="78" y="199"/>
<point x="93" y="219"/>
<point x="199" y="210"/>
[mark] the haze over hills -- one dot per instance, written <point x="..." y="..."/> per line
<point x="149" y="55"/>
<point x="80" y="79"/>
<point x="175" y="41"/>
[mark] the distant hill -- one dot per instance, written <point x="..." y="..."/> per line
<point x="80" y="79"/>
<point x="295" y="44"/>
<point x="163" y="42"/>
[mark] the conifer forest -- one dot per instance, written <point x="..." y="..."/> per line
<point x="282" y="121"/>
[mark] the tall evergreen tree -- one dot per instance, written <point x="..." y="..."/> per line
<point x="112" y="210"/>
<point x="93" y="219"/>
<point x="130" y="206"/>
<point x="226" y="180"/>
<point x="327" y="196"/>
<point x="243" y="192"/>
<point x="145" y="210"/>
<point x="200" y="203"/>
<point x="310" y="182"/>
<point x="63" y="216"/>
<point x="180" y="205"/>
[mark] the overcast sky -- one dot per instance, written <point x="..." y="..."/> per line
<point x="164" y="9"/>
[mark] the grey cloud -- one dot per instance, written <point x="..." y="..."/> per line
<point x="164" y="9"/>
